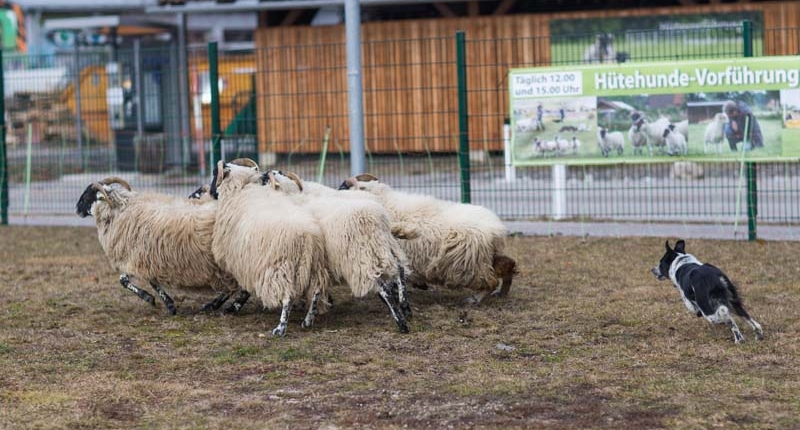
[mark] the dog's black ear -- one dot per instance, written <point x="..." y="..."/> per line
<point x="666" y="245"/>
<point x="680" y="246"/>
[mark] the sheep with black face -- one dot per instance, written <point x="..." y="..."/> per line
<point x="158" y="239"/>
<point x="360" y="242"/>
<point x="273" y="247"/>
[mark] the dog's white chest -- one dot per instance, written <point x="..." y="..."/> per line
<point x="673" y="270"/>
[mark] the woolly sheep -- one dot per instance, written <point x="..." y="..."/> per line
<point x="602" y="50"/>
<point x="457" y="245"/>
<point x="714" y="134"/>
<point x="682" y="127"/>
<point x="362" y="251"/>
<point x="654" y="131"/>
<point x="638" y="140"/>
<point x="273" y="247"/>
<point x="544" y="147"/>
<point x="155" y="238"/>
<point x="676" y="143"/>
<point x="610" y="141"/>
<point x="563" y="145"/>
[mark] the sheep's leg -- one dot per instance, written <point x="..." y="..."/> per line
<point x="402" y="298"/>
<point x="217" y="302"/>
<point x="238" y="302"/>
<point x="386" y="295"/>
<point x="280" y="330"/>
<point x="308" y="321"/>
<point x="165" y="298"/>
<point x="144" y="295"/>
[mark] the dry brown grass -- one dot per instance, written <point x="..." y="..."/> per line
<point x="587" y="339"/>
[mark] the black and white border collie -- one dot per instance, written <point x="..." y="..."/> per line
<point x="705" y="289"/>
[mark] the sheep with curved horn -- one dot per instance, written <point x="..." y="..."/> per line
<point x="155" y="238"/>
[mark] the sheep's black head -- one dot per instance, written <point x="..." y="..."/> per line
<point x="92" y="193"/>
<point x="200" y="192"/>
<point x="272" y="178"/>
<point x="97" y="191"/>
<point x="352" y="182"/>
<point x="268" y="177"/>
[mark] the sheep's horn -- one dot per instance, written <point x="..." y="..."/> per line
<point x="116" y="180"/>
<point x="220" y="173"/>
<point x="245" y="162"/>
<point x="272" y="181"/>
<point x="366" y="177"/>
<point x="296" y="179"/>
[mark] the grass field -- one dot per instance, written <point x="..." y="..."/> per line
<point x="587" y="339"/>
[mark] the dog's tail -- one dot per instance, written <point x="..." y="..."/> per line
<point x="734" y="300"/>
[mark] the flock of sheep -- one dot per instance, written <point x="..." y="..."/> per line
<point x="289" y="241"/>
<point x="661" y="135"/>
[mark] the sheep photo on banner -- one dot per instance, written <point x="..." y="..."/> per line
<point x="703" y="110"/>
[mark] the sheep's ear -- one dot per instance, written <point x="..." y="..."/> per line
<point x="680" y="246"/>
<point x="296" y="180"/>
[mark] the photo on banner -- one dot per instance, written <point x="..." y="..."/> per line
<point x="705" y="110"/>
<point x="643" y="38"/>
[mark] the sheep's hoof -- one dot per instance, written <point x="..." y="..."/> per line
<point x="402" y="327"/>
<point x="474" y="300"/>
<point x="307" y="323"/>
<point x="279" y="331"/>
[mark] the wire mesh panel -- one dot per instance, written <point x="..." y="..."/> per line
<point x="145" y="114"/>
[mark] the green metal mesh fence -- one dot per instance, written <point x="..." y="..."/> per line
<point x="73" y="119"/>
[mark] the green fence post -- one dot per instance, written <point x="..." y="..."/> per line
<point x="752" y="186"/>
<point x="463" y="128"/>
<point x="752" y="201"/>
<point x="213" y="78"/>
<point x="3" y="157"/>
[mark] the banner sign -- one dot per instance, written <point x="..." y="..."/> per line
<point x="704" y="110"/>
